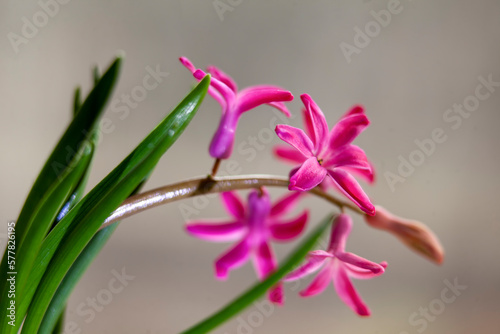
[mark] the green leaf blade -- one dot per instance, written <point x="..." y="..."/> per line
<point x="71" y="142"/>
<point x="45" y="213"/>
<point x="85" y="219"/>
<point x="58" y="303"/>
<point x="78" y="134"/>
<point x="55" y="311"/>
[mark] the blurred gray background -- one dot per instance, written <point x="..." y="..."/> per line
<point x="429" y="57"/>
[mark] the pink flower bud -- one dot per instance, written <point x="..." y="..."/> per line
<point x="414" y="234"/>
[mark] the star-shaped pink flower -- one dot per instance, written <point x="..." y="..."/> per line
<point x="234" y="103"/>
<point x="291" y="155"/>
<point x="338" y="265"/>
<point x="323" y="153"/>
<point x="253" y="226"/>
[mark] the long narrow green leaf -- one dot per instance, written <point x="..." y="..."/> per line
<point x="77" y="103"/>
<point x="258" y="290"/>
<point x="75" y="273"/>
<point x="45" y="213"/>
<point x="55" y="320"/>
<point x="70" y="143"/>
<point x="59" y="326"/>
<point x="41" y="221"/>
<point x="86" y="217"/>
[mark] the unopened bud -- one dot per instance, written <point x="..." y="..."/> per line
<point x="414" y="234"/>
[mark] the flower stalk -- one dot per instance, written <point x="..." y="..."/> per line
<point x="208" y="185"/>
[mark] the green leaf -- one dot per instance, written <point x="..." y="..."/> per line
<point x="56" y="199"/>
<point x="59" y="326"/>
<point x="57" y="305"/>
<point x="77" y="103"/>
<point x="83" y="221"/>
<point x="71" y="142"/>
<point x="45" y="213"/>
<point x="56" y="167"/>
<point x="75" y="273"/>
<point x="258" y="290"/>
<point x="95" y="74"/>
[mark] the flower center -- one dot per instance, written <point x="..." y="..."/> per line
<point x="320" y="161"/>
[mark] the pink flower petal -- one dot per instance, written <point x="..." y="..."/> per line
<point x="297" y="138"/>
<point x="346" y="130"/>
<point x="285" y="204"/>
<point x="289" y="230"/>
<point x="356" y="272"/>
<point x="368" y="175"/>
<point x="211" y="90"/>
<point x="319" y="284"/>
<point x="351" y="188"/>
<point x="347" y="293"/>
<point x="348" y="155"/>
<point x="293" y="171"/>
<point x="276" y="295"/>
<point x="355" y="110"/>
<point x="308" y="127"/>
<point x="313" y="263"/>
<point x="259" y="206"/>
<point x="206" y="230"/>
<point x="308" y="176"/>
<point x="254" y="96"/>
<point x="289" y="154"/>
<point x="221" y="87"/>
<point x="360" y="262"/>
<point x="275" y="104"/>
<point x="233" y="204"/>
<point x="320" y="254"/>
<point x="315" y="121"/>
<point x="188" y="64"/>
<point x="281" y="107"/>
<point x="341" y="229"/>
<point x="264" y="260"/>
<point x="222" y="143"/>
<point x="232" y="259"/>
<point x="223" y="77"/>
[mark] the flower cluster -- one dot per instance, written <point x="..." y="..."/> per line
<point x="322" y="158"/>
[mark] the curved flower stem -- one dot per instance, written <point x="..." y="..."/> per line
<point x="207" y="185"/>
<point x="215" y="168"/>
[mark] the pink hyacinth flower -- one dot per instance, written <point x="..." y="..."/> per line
<point x="338" y="266"/>
<point x="414" y="234"/>
<point x="234" y="103"/>
<point x="322" y="152"/>
<point x="253" y="226"/>
<point x="290" y="155"/>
